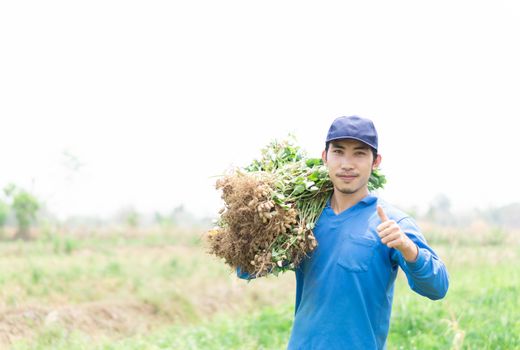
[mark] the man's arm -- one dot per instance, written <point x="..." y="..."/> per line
<point x="244" y="275"/>
<point x="426" y="273"/>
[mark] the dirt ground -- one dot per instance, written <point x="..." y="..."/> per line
<point x="116" y="317"/>
<point x="111" y="319"/>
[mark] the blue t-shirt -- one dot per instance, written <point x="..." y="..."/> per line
<point x="344" y="290"/>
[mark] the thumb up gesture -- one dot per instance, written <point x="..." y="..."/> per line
<point x="392" y="235"/>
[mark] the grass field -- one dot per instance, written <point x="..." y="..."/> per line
<point x="160" y="290"/>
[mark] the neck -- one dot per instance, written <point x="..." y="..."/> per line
<point x="342" y="201"/>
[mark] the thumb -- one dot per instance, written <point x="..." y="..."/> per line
<point x="381" y="213"/>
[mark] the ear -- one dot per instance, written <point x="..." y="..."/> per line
<point x="324" y="157"/>
<point x="377" y="161"/>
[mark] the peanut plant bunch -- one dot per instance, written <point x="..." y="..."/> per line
<point x="271" y="208"/>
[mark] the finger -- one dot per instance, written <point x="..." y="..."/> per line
<point x="383" y="226"/>
<point x="388" y="231"/>
<point x="391" y="238"/>
<point x="381" y="213"/>
<point x="398" y="242"/>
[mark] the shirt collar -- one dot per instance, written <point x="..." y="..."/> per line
<point x="369" y="199"/>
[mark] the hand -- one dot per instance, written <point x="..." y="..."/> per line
<point x="391" y="235"/>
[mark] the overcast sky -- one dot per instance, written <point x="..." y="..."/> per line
<point x="155" y="97"/>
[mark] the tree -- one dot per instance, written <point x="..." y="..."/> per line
<point x="25" y="207"/>
<point x="4" y="211"/>
<point x="129" y="216"/>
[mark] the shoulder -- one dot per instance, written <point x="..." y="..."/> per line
<point x="403" y="219"/>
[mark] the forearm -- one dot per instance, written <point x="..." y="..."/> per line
<point x="427" y="275"/>
<point x="411" y="252"/>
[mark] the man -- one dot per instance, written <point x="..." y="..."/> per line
<point x="344" y="290"/>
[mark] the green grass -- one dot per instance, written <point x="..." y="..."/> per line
<point x="265" y="329"/>
<point x="481" y="310"/>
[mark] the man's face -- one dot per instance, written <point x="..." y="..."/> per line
<point x="350" y="164"/>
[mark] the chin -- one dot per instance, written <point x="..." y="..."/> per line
<point x="347" y="190"/>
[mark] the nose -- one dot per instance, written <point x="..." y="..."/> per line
<point x="346" y="164"/>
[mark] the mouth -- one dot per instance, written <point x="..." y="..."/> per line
<point x="347" y="177"/>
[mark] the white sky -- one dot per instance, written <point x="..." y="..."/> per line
<point x="154" y="97"/>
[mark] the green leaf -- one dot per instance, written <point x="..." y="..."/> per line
<point x="314" y="176"/>
<point x="280" y="196"/>
<point x="312" y="162"/>
<point x="309" y="184"/>
<point x="299" y="189"/>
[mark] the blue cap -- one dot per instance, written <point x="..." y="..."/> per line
<point x="353" y="127"/>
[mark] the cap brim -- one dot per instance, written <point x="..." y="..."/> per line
<point x="351" y="138"/>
